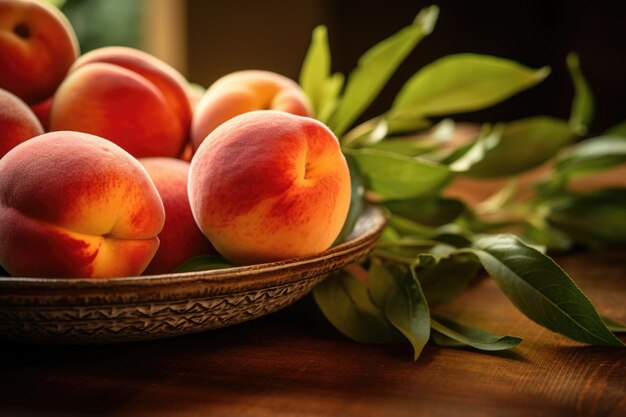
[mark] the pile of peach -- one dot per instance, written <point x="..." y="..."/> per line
<point x="108" y="191"/>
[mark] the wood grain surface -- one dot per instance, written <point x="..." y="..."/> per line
<point x="294" y="364"/>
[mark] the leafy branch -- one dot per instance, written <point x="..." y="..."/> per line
<point x="434" y="246"/>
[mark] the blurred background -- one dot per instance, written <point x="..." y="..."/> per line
<point x="208" y="39"/>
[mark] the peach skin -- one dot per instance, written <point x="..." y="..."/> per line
<point x="17" y="122"/>
<point x="268" y="185"/>
<point x="42" y="111"/>
<point x="244" y="91"/>
<point x="187" y="153"/>
<point x="180" y="238"/>
<point x="127" y="96"/>
<point x="37" y="47"/>
<point x="75" y="205"/>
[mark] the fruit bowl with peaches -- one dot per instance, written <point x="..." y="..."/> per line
<point x="114" y="179"/>
<point x="111" y="310"/>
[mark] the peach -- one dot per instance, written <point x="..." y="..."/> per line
<point x="127" y="96"/>
<point x="268" y="185"/>
<point x="244" y="91"/>
<point x="76" y="205"/>
<point x="180" y="238"/>
<point x="187" y="153"/>
<point x="17" y="122"/>
<point x="42" y="111"/>
<point x="37" y="47"/>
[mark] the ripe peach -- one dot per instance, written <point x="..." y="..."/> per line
<point x="268" y="185"/>
<point x="244" y="91"/>
<point x="187" y="153"/>
<point x="17" y="122"/>
<point x="180" y="238"/>
<point x="127" y="96"/>
<point x="37" y="47"/>
<point x="76" y="205"/>
<point x="42" y="111"/>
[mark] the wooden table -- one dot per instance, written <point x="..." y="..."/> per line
<point x="294" y="364"/>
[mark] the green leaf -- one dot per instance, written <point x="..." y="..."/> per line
<point x="409" y="250"/>
<point x="433" y="211"/>
<point x="391" y="254"/>
<point x="406" y="123"/>
<point x="517" y="147"/>
<point x="371" y="134"/>
<point x="464" y="82"/>
<point x="404" y="147"/>
<point x="321" y="88"/>
<point x="448" y="278"/>
<point x="408" y="227"/>
<point x="375" y="68"/>
<point x="541" y="290"/>
<point x="585" y="158"/>
<point x="203" y="263"/>
<point x="399" y="292"/>
<point x="592" y="155"/>
<point x="367" y="134"/>
<point x="468" y="156"/>
<point x="356" y="200"/>
<point x="389" y="235"/>
<point x="395" y="176"/>
<point x="452" y="238"/>
<point x="450" y="155"/>
<point x="345" y="303"/>
<point x="330" y="96"/>
<point x="581" y="114"/>
<point x="449" y="333"/>
<point x="539" y="232"/>
<point x="415" y="145"/>
<point x="407" y="309"/>
<point x="617" y="130"/>
<point x="381" y="282"/>
<point x="614" y="326"/>
<point x="316" y="68"/>
<point x="593" y="218"/>
<point x="499" y="199"/>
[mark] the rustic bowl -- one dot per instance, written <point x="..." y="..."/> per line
<point x="88" y="311"/>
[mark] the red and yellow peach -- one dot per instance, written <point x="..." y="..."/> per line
<point x="17" y="122"/>
<point x="268" y="185"/>
<point x="76" y="205"/>
<point x="37" y="47"/>
<point x="180" y="238"/>
<point x="244" y="91"/>
<point x="127" y="96"/>
<point x="42" y="111"/>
